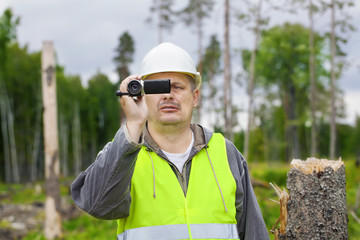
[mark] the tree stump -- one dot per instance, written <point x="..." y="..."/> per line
<point x="317" y="200"/>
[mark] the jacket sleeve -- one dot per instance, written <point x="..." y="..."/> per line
<point x="103" y="189"/>
<point x="251" y="225"/>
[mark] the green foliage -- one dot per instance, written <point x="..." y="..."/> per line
<point x="282" y="75"/>
<point x="104" y="109"/>
<point x="124" y="55"/>
<point x="211" y="60"/>
<point x="7" y="33"/>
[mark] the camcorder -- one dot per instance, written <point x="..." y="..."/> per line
<point x="137" y="88"/>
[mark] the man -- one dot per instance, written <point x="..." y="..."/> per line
<point x="165" y="178"/>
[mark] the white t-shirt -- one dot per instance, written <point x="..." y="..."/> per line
<point x="179" y="159"/>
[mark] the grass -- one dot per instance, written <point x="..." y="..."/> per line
<point x="87" y="227"/>
<point x="83" y="227"/>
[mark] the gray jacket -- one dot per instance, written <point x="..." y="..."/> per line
<point x="103" y="189"/>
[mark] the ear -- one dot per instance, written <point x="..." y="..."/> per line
<point x="196" y="96"/>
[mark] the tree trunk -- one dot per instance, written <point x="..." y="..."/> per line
<point x="64" y="156"/>
<point x="227" y="76"/>
<point x="200" y="63"/>
<point x="333" y="87"/>
<point x="13" y="152"/>
<point x="312" y="83"/>
<point x="252" y="81"/>
<point x="37" y="140"/>
<point x="160" y="27"/>
<point x="77" y="140"/>
<point x="317" y="204"/>
<point x="4" y="130"/>
<point x="52" y="226"/>
<point x="7" y="121"/>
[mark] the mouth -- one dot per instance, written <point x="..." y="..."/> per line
<point x="166" y="107"/>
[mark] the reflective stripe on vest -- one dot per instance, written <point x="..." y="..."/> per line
<point x="177" y="216"/>
<point x="175" y="232"/>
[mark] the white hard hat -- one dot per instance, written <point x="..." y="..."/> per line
<point x="168" y="57"/>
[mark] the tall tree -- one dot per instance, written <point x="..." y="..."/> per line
<point x="313" y="7"/>
<point x="253" y="14"/>
<point x="282" y="66"/>
<point x="7" y="34"/>
<point x="211" y="67"/>
<point x="344" y="25"/>
<point x="124" y="55"/>
<point x="52" y="226"/>
<point x="162" y="10"/>
<point x="194" y="14"/>
<point x="227" y="73"/>
<point x="123" y="58"/>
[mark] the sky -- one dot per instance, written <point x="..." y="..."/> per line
<point x="85" y="34"/>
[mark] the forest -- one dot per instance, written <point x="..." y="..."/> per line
<point x="291" y="77"/>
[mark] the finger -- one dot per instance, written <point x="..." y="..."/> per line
<point x="124" y="83"/>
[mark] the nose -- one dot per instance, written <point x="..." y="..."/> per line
<point x="167" y="96"/>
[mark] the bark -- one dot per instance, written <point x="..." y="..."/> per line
<point x="227" y="75"/>
<point x="317" y="200"/>
<point x="52" y="226"/>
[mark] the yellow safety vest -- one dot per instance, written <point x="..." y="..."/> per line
<point x="205" y="212"/>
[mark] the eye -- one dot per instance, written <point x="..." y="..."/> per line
<point x="177" y="87"/>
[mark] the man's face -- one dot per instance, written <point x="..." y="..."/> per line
<point x="175" y="107"/>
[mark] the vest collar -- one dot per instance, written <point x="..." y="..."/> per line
<point x="202" y="137"/>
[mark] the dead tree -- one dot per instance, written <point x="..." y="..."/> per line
<point x="316" y="208"/>
<point x="51" y="146"/>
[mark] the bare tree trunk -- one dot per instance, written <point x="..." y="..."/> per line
<point x="4" y="130"/>
<point x="9" y="137"/>
<point x="333" y="87"/>
<point x="317" y="203"/>
<point x="52" y="226"/>
<point x="77" y="139"/>
<point x="160" y="28"/>
<point x="312" y="82"/>
<point x="252" y="81"/>
<point x="64" y="156"/>
<point x="13" y="152"/>
<point x="200" y="65"/>
<point x="36" y="146"/>
<point x="227" y="75"/>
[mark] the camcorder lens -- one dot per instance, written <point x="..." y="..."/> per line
<point x="134" y="88"/>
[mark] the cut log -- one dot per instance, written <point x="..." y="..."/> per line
<point x="317" y="200"/>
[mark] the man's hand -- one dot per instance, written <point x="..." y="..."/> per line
<point x="136" y="111"/>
